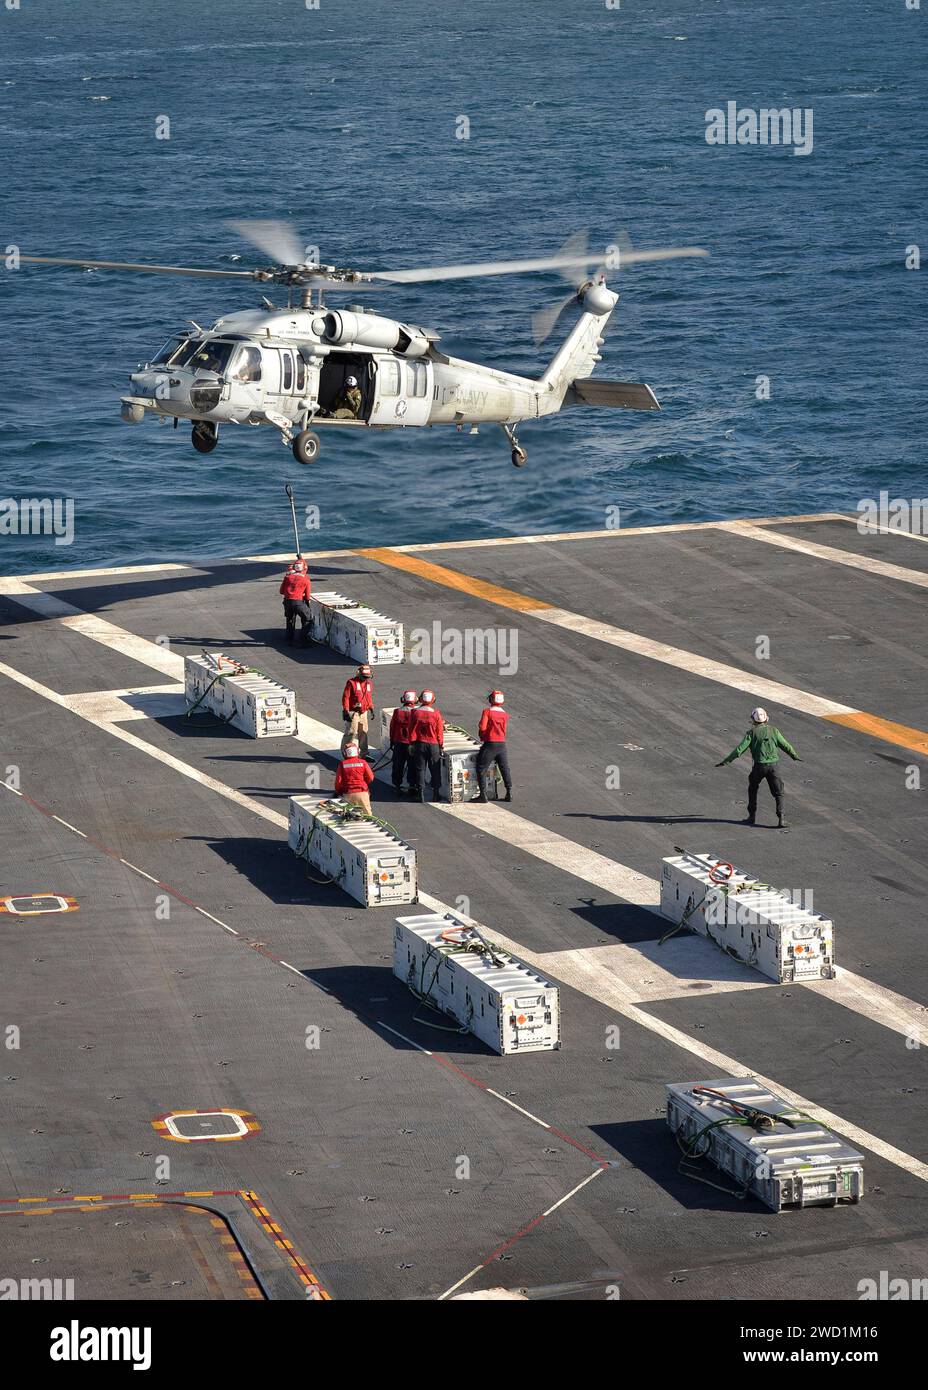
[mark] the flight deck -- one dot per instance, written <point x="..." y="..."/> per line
<point x="215" y="1086"/>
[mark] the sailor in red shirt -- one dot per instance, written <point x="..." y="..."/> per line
<point x="401" y="740"/>
<point x="428" y="743"/>
<point x="353" y="777"/>
<point x="357" y="707"/>
<point x="492" y="734"/>
<point x="295" y="589"/>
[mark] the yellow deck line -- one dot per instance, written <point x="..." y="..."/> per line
<point x="899" y="734"/>
<point x="455" y="579"/>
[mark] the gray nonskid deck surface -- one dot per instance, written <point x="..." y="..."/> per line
<point x="359" y="1139"/>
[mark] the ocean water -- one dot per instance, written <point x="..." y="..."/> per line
<point x="343" y="120"/>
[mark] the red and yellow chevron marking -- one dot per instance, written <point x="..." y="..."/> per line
<point x="37" y="902"/>
<point x="160" y="1125"/>
<point x="314" y="1289"/>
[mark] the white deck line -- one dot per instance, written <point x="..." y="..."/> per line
<point x="868" y="564"/>
<point x="720" y="1062"/>
<point x="614" y="533"/>
<point x="770" y="691"/>
<point x="284" y="557"/>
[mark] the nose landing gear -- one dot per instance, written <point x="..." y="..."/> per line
<point x="204" y="436"/>
<point x="518" y="454"/>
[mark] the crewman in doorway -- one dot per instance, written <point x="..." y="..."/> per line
<point x="401" y="741"/>
<point x="347" y="404"/>
<point x="295" y="589"/>
<point x="428" y="743"/>
<point x="357" y="707"/>
<point x="493" y="753"/>
<point x="353" y="777"/>
<point x="765" y="743"/>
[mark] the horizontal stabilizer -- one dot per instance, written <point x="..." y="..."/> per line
<point x="620" y="395"/>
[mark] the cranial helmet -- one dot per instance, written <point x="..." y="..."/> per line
<point x="351" y="381"/>
<point x="351" y="750"/>
<point x="495" y="697"/>
<point x="759" y="716"/>
<point x="427" y="697"/>
<point x="409" y="697"/>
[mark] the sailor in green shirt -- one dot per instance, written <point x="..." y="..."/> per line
<point x="765" y="743"/>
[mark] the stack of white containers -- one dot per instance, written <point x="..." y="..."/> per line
<point x="458" y="765"/>
<point x="355" y="631"/>
<point x="448" y="964"/>
<point x="757" y="924"/>
<point x="368" y="861"/>
<point x="220" y="685"/>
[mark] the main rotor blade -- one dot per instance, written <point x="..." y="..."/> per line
<point x="151" y="269"/>
<point x="462" y="272"/>
<point x="276" y="239"/>
<point x="662" y="253"/>
<point x="560" y="262"/>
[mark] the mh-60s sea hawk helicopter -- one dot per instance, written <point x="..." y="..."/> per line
<point x="307" y="365"/>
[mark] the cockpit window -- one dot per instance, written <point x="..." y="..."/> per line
<point x="167" y="352"/>
<point x="247" y="364"/>
<point x="211" y="356"/>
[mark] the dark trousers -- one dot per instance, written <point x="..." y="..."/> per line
<point x="769" y="773"/>
<point x="296" y="608"/>
<point x="489" y="754"/>
<point x="426" y="761"/>
<point x="403" y="762"/>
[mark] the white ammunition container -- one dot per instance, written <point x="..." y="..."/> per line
<point x="358" y="632"/>
<point x="794" y="1164"/>
<point x="488" y="992"/>
<point x="371" y="864"/>
<point x="220" y="685"/>
<point x="757" y="924"/>
<point x="458" y="765"/>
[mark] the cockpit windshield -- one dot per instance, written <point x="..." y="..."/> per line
<point x="168" y="351"/>
<point x="211" y="356"/>
<point x="199" y="356"/>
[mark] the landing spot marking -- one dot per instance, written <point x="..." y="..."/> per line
<point x="197" y="1126"/>
<point x="37" y="904"/>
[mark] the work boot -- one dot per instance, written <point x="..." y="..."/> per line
<point x="782" y="823"/>
<point x="481" y="797"/>
<point x="749" y="820"/>
<point x="508" y="796"/>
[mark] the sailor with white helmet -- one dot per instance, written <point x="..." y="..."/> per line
<point x="765" y="743"/>
<point x="348" y="400"/>
<point x="427" y="735"/>
<point x="493" y="754"/>
<point x="402" y="740"/>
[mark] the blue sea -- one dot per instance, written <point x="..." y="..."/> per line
<point x="343" y="119"/>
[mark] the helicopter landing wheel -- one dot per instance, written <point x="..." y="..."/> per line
<point x="518" y="457"/>
<point x="204" y="437"/>
<point x="306" y="447"/>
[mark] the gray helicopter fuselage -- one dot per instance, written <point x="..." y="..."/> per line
<point x="286" y="367"/>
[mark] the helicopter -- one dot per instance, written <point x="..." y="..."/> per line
<point x="305" y="365"/>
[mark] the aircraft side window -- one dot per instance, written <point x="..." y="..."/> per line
<point x="288" y="371"/>
<point x="389" y="373"/>
<point x="300" y="374"/>
<point x="419" y="378"/>
<point x="247" y="365"/>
